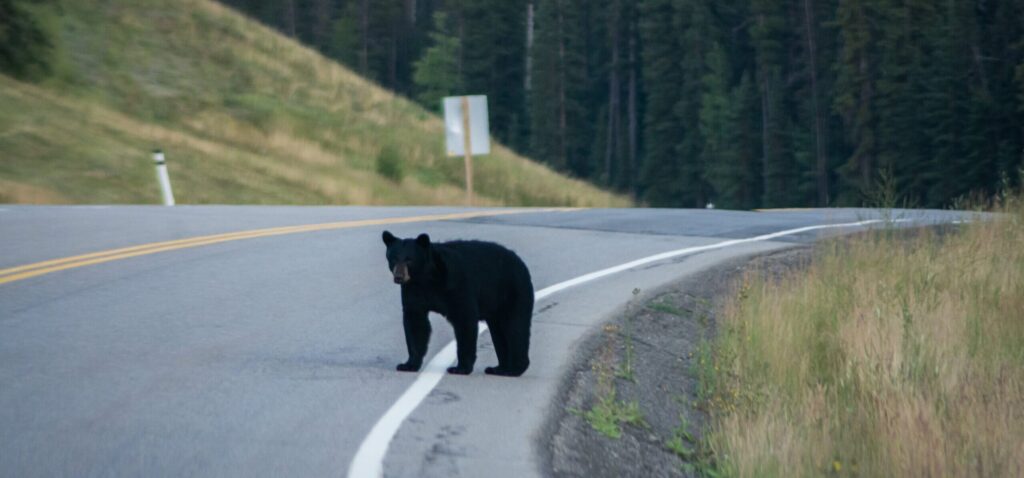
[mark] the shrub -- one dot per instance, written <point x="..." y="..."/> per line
<point x="389" y="163"/>
<point x="26" y="46"/>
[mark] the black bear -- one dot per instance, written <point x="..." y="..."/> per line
<point x="465" y="281"/>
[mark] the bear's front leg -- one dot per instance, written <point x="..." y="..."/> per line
<point x="466" y="332"/>
<point x="417" y="334"/>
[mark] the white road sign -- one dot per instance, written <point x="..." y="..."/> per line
<point x="479" y="129"/>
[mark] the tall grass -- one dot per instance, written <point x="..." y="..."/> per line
<point x="890" y="356"/>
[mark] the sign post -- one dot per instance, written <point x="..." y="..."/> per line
<point x="467" y="146"/>
<point x="467" y="132"/>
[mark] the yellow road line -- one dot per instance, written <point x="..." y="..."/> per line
<point x="785" y="209"/>
<point x="45" y="267"/>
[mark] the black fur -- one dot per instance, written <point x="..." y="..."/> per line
<point x="465" y="281"/>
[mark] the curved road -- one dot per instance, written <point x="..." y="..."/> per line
<point x="273" y="353"/>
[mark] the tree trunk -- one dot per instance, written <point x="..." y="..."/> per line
<point x="289" y="17"/>
<point x="529" y="46"/>
<point x="460" y="26"/>
<point x="765" y="146"/>
<point x="819" y="123"/>
<point x="562" y="126"/>
<point x="410" y="10"/>
<point x="766" y="191"/>
<point x="613" y="92"/>
<point x="364" y="23"/>
<point x="322" y="24"/>
<point x="393" y="55"/>
<point x="865" y="160"/>
<point x="631" y="107"/>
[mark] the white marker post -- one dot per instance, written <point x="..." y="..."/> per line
<point x="467" y="132"/>
<point x="163" y="178"/>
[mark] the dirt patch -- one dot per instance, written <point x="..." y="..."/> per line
<point x="647" y="358"/>
<point x="21" y="193"/>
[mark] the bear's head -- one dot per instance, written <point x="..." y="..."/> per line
<point x="409" y="259"/>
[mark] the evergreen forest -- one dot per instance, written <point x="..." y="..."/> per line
<point x="740" y="103"/>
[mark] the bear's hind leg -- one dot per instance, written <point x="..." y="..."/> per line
<point x="516" y="331"/>
<point x="518" y="340"/>
<point x="498" y="337"/>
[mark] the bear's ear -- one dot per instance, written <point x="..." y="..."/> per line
<point x="389" y="238"/>
<point x="423" y="240"/>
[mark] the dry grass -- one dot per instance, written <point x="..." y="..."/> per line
<point x="246" y="116"/>
<point x="889" y="357"/>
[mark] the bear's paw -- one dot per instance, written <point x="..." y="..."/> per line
<point x="408" y="367"/>
<point x="503" y="372"/>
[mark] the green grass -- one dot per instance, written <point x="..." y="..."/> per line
<point x="609" y="414"/>
<point x="697" y="459"/>
<point x="244" y="114"/>
<point x="888" y="357"/>
<point x="682" y="442"/>
<point x="667" y="309"/>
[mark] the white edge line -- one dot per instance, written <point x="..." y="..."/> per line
<point x="369" y="459"/>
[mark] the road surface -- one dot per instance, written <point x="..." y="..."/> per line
<point x="273" y="354"/>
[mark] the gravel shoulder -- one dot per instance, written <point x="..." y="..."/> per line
<point x="647" y="354"/>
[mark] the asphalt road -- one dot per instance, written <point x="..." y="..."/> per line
<point x="275" y="356"/>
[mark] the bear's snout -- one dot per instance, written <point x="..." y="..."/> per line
<point x="401" y="273"/>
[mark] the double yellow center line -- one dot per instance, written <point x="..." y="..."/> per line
<point x="39" y="268"/>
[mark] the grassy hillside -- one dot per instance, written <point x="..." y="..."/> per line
<point x="244" y="114"/>
<point x="888" y="357"/>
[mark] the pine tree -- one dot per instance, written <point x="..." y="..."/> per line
<point x="745" y="102"/>
<point x="769" y="33"/>
<point x="558" y="87"/>
<point x="662" y="75"/>
<point x="856" y="86"/>
<point x="949" y="168"/>
<point x="26" y="48"/>
<point x="675" y="37"/>
<point x="694" y="21"/>
<point x="821" y="163"/>
<point x="719" y="112"/>
<point x="1019" y="75"/>
<point x="345" y="43"/>
<point x="633" y="93"/>
<point x="1000" y="52"/>
<point x="612" y="110"/>
<point x="436" y="73"/>
<point x="904" y="145"/>
<point x="493" y="48"/>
